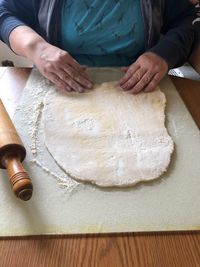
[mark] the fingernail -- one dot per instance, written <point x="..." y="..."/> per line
<point x="89" y="85"/>
<point x="134" y="92"/>
<point x="123" y="88"/>
<point x="80" y="90"/>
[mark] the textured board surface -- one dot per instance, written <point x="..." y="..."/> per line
<point x="61" y="206"/>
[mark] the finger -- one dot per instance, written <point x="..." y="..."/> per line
<point x="68" y="80"/>
<point x="153" y="83"/>
<point x="78" y="77"/>
<point x="75" y="65"/>
<point x="59" y="83"/>
<point x="133" y="80"/>
<point x="142" y="83"/>
<point x="133" y="68"/>
<point x="124" y="69"/>
<point x="80" y="71"/>
<point x="84" y="67"/>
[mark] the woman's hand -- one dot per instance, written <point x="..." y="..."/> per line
<point x="54" y="63"/>
<point x="61" y="69"/>
<point x="194" y="2"/>
<point x="144" y="74"/>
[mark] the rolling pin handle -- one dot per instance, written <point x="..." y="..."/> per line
<point x="19" y="179"/>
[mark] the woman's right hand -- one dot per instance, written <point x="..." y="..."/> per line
<point x="54" y="63"/>
<point x="61" y="69"/>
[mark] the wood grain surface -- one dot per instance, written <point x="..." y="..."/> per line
<point x="190" y="93"/>
<point x="181" y="249"/>
<point x="127" y="250"/>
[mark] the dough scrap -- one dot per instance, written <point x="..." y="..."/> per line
<point x="106" y="136"/>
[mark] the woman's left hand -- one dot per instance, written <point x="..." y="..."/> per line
<point x="144" y="74"/>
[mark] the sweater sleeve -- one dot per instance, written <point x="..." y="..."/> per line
<point x="13" y="14"/>
<point x="180" y="35"/>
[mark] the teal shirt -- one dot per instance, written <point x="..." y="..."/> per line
<point x="102" y="33"/>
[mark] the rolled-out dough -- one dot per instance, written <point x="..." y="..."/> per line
<point x="107" y="136"/>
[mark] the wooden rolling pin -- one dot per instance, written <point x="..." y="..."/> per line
<point x="12" y="153"/>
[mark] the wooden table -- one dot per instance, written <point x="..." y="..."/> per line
<point x="128" y="250"/>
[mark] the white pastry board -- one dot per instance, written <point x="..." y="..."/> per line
<point x="170" y="203"/>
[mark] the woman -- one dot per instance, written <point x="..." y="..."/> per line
<point x="62" y="36"/>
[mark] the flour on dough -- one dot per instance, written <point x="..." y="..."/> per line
<point x="106" y="136"/>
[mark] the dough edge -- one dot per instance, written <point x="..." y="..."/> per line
<point x="126" y="183"/>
